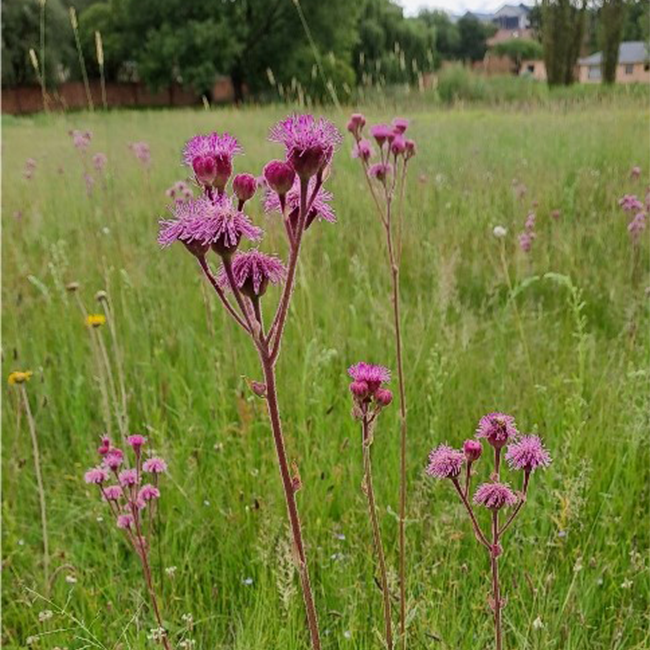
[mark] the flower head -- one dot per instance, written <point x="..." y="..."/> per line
<point x="400" y="124"/>
<point x="141" y="151"/>
<point x="398" y="145"/>
<point x="445" y="462"/>
<point x="128" y="477"/>
<point x="630" y="203"/>
<point x="210" y="157"/>
<point x="154" y="465"/>
<point x="19" y="377"/>
<point x="635" y="172"/>
<point x="310" y="142"/>
<point x="320" y="207"/>
<point x="113" y="459"/>
<point x="637" y="225"/>
<point x="497" y="429"/>
<point x="112" y="493"/>
<point x="252" y="271"/>
<point x="96" y="475"/>
<point x="137" y="442"/>
<point x="244" y="187"/>
<point x="384" y="396"/>
<point x="363" y="149"/>
<point x="99" y="161"/>
<point x="527" y="454"/>
<point x="148" y="492"/>
<point x="125" y="521"/>
<point x="95" y="320"/>
<point x="526" y="241"/>
<point x="105" y="446"/>
<point x="499" y="232"/>
<point x="382" y="133"/>
<point x="381" y="171"/>
<point x="81" y="139"/>
<point x="494" y="496"/>
<point x="372" y="375"/>
<point x="356" y="123"/>
<point x="202" y="223"/>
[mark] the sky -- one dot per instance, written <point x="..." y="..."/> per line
<point x="458" y="7"/>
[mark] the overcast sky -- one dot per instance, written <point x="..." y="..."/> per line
<point x="453" y="6"/>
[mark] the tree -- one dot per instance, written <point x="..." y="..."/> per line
<point x="447" y="36"/>
<point x="637" y="21"/>
<point x="473" y="35"/>
<point x="612" y="19"/>
<point x="563" y="23"/>
<point x="518" y="50"/>
<point x="21" y="31"/>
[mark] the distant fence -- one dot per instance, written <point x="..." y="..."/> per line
<point x="72" y="96"/>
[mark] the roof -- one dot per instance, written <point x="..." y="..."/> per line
<point x="628" y="52"/>
<point x="512" y="10"/>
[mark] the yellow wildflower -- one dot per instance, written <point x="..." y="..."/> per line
<point x="95" y="320"/>
<point x="20" y="376"/>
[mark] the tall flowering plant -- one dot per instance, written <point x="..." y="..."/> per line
<point x="524" y="454"/>
<point x="370" y="397"/>
<point x="131" y="494"/>
<point x="386" y="180"/>
<point x="216" y="223"/>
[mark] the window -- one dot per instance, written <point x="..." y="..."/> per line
<point x="646" y="66"/>
<point x="629" y="68"/>
<point x="594" y="72"/>
<point x="531" y="68"/>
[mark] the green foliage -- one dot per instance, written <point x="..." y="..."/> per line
<point x="21" y="20"/>
<point x="612" y="21"/>
<point x="518" y="49"/>
<point x="472" y="35"/>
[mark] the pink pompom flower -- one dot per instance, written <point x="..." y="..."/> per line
<point x="128" y="477"/>
<point x="528" y="454"/>
<point x="373" y="375"/>
<point x="125" y="521"/>
<point x="112" y="493"/>
<point x="445" y="462"/>
<point x="137" y="442"/>
<point x="382" y="133"/>
<point x="154" y="465"/>
<point x="495" y="496"/>
<point x="497" y="428"/>
<point x="114" y="458"/>
<point x="381" y="171"/>
<point x="363" y="150"/>
<point x="96" y="475"/>
<point x="310" y="142"/>
<point x="400" y="124"/>
<point x="252" y="271"/>
<point x="148" y="492"/>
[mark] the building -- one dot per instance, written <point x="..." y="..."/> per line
<point x="633" y="65"/>
<point x="512" y="17"/>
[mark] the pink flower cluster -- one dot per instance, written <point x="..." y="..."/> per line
<point x="368" y="389"/>
<point x="638" y="210"/>
<point x="142" y="152"/>
<point x="527" y="237"/>
<point x="391" y="143"/>
<point x="128" y="490"/>
<point x="180" y="191"/>
<point x="81" y="139"/>
<point x="524" y="453"/>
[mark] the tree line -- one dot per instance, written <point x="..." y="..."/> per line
<point x="290" y="46"/>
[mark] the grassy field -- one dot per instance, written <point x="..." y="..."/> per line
<point x="575" y="567"/>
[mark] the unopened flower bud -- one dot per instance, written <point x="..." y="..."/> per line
<point x="411" y="149"/>
<point x="473" y="450"/>
<point x="400" y="124"/>
<point x="356" y="123"/>
<point x="383" y="396"/>
<point x="244" y="186"/>
<point x="205" y="168"/>
<point x="398" y="145"/>
<point x="258" y="388"/>
<point x="359" y="389"/>
<point x="280" y="176"/>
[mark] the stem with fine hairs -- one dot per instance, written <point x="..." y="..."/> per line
<point x="39" y="481"/>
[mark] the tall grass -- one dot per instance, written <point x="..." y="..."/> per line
<point x="577" y="579"/>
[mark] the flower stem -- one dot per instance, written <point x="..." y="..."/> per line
<point x="39" y="481"/>
<point x="372" y="511"/>
<point x="290" y="497"/>
<point x="519" y="506"/>
<point x="477" y="529"/>
<point x="496" y="593"/>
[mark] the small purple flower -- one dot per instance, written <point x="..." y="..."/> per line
<point x="113" y="458"/>
<point x="99" y="161"/>
<point x="128" y="477"/>
<point x="363" y="149"/>
<point x="252" y="271"/>
<point x="497" y="428"/>
<point x="96" y="475"/>
<point x="81" y="139"/>
<point x="142" y="152"/>
<point x="148" y="492"/>
<point x="384" y="396"/>
<point x="125" y="521"/>
<point x="382" y="133"/>
<point x="154" y="465"/>
<point x="445" y="462"/>
<point x="637" y="225"/>
<point x="473" y="450"/>
<point x="398" y="145"/>
<point x="528" y="454"/>
<point x="112" y="493"/>
<point x="630" y="203"/>
<point x="210" y="157"/>
<point x="372" y="375"/>
<point x="381" y="171"/>
<point x="400" y="124"/>
<point x="310" y="143"/>
<point x="356" y="124"/>
<point x="320" y="207"/>
<point x="411" y="149"/>
<point x="526" y="241"/>
<point x="137" y="442"/>
<point x="244" y="187"/>
<point x="279" y="177"/>
<point x="201" y="223"/>
<point x="495" y="496"/>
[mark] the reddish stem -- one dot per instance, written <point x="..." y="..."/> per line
<point x="496" y="592"/>
<point x="477" y="529"/>
<point x="379" y="548"/>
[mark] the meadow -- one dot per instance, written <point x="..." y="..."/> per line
<point x="575" y="571"/>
